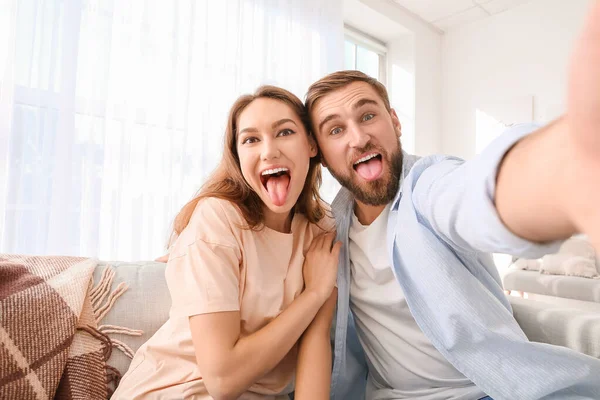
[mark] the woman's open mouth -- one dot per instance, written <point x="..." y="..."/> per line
<point x="276" y="182"/>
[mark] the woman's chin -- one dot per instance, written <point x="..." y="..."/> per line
<point x="286" y="207"/>
<point x="279" y="207"/>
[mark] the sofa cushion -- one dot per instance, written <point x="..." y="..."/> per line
<point x="574" y="326"/>
<point x="144" y="306"/>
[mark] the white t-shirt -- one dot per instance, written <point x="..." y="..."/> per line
<point x="403" y="362"/>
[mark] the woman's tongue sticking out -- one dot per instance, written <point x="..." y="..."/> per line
<point x="278" y="187"/>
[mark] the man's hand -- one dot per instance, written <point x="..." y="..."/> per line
<point x="583" y="120"/>
<point x="584" y="86"/>
<point x="548" y="185"/>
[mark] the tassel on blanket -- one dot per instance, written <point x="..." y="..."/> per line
<point x="113" y="376"/>
<point x="102" y="302"/>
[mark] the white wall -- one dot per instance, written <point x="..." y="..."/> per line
<point x="506" y="58"/>
<point x="416" y="53"/>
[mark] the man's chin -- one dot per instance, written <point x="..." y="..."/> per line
<point x="378" y="192"/>
<point x="372" y="193"/>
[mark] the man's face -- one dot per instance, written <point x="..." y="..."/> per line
<point x="359" y="142"/>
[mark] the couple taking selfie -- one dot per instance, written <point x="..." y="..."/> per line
<point x="389" y="292"/>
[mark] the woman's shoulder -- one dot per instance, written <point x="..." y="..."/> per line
<point x="217" y="208"/>
<point x="215" y="220"/>
<point x="325" y="224"/>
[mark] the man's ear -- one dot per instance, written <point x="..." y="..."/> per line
<point x="396" y="122"/>
<point x="312" y="145"/>
<point x="314" y="149"/>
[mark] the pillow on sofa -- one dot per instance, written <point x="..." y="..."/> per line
<point x="143" y="306"/>
<point x="576" y="257"/>
<point x="526" y="264"/>
<point x="570" y="265"/>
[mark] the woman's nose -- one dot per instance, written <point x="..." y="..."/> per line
<point x="270" y="150"/>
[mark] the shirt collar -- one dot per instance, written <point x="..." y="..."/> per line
<point x="407" y="163"/>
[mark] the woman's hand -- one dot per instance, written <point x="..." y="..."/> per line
<point x="321" y="264"/>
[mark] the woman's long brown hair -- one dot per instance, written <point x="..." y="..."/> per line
<point x="228" y="183"/>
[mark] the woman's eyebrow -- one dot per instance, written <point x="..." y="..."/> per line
<point x="282" y="121"/>
<point x="249" y="129"/>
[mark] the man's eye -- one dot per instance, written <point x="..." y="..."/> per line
<point x="286" y="132"/>
<point x="335" y="131"/>
<point x="368" y="117"/>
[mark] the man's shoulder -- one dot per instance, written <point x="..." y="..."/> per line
<point x="416" y="166"/>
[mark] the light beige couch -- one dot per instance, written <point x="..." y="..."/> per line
<point x="145" y="305"/>
<point x="567" y="287"/>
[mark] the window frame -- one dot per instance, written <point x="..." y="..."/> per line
<point x="362" y="39"/>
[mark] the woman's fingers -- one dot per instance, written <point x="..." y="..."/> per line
<point x="335" y="250"/>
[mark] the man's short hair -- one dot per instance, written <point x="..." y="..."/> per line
<point x="338" y="80"/>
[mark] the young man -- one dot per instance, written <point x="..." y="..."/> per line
<point x="420" y="301"/>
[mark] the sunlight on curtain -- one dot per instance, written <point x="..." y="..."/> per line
<point x="117" y="109"/>
<point x="7" y="42"/>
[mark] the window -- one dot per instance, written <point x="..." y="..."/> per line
<point x="115" y="109"/>
<point x="364" y="53"/>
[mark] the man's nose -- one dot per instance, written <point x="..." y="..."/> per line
<point x="358" y="137"/>
<point x="270" y="150"/>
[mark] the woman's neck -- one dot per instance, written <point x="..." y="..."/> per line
<point x="278" y="222"/>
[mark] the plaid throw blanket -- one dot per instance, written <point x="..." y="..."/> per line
<point x="49" y="343"/>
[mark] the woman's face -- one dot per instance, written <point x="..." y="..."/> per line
<point x="274" y="151"/>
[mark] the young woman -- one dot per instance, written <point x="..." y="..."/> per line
<point x="251" y="272"/>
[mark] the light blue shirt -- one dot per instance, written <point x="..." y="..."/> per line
<point x="442" y="227"/>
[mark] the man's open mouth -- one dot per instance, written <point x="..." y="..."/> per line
<point x="276" y="182"/>
<point x="369" y="167"/>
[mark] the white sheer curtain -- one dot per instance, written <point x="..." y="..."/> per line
<point x="112" y="111"/>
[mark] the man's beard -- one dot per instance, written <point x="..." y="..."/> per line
<point x="380" y="191"/>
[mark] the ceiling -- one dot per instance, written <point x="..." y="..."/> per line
<point x="365" y="19"/>
<point x="447" y="14"/>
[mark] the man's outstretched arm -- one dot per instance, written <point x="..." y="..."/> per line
<point x="548" y="184"/>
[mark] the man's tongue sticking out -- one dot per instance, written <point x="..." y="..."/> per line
<point x="277" y="187"/>
<point x="370" y="169"/>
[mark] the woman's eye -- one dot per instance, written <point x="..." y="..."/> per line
<point x="286" y="132"/>
<point x="335" y="131"/>
<point x="368" y="117"/>
<point x="249" y="140"/>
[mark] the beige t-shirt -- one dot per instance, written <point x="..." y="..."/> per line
<point x="215" y="265"/>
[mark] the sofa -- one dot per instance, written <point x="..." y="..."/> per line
<point x="144" y="306"/>
<point x="566" y="287"/>
<point x="570" y="277"/>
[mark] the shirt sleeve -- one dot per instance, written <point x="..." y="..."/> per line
<point x="203" y="272"/>
<point x="456" y="199"/>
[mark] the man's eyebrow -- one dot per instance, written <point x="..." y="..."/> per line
<point x="326" y="120"/>
<point x="355" y="106"/>
<point x="282" y="121"/>
<point x="362" y="102"/>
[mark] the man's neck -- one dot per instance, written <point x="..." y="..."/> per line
<point x="366" y="214"/>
